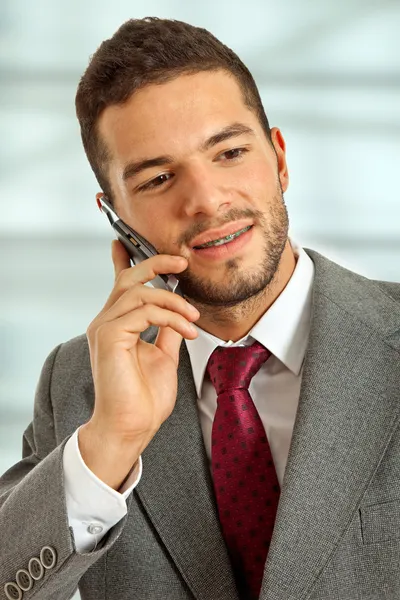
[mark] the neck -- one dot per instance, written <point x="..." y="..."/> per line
<point x="236" y="322"/>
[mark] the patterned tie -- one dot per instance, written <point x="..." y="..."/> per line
<point x="245" y="481"/>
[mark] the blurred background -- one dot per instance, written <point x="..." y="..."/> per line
<point x="328" y="73"/>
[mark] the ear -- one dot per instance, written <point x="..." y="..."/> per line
<point x="98" y="196"/>
<point x="280" y="150"/>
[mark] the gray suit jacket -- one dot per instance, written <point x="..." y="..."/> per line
<point x="337" y="531"/>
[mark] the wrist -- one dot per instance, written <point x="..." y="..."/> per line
<point x="108" y="456"/>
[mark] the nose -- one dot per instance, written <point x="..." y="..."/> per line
<point x="201" y="193"/>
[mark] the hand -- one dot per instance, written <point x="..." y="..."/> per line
<point x="135" y="382"/>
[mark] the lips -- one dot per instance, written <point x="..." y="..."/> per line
<point x="216" y="234"/>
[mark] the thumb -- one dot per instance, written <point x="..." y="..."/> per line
<point x="169" y="341"/>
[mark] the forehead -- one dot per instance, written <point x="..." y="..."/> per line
<point x="178" y="113"/>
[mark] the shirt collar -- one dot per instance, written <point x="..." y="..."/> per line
<point x="283" y="329"/>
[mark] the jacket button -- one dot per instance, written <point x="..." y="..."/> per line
<point x="48" y="557"/>
<point x="35" y="569"/>
<point x="24" y="580"/>
<point x="12" y="591"/>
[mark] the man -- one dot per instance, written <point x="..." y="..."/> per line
<point x="259" y="458"/>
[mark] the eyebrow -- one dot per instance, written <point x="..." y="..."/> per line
<point x="233" y="130"/>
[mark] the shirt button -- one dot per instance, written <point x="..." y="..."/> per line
<point x="95" y="528"/>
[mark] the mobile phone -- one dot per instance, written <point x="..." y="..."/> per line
<point x="138" y="247"/>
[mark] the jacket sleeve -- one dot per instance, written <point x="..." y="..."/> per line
<point x="38" y="557"/>
<point x="90" y="501"/>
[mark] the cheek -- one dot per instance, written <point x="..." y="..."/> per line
<point x="255" y="180"/>
<point x="139" y="219"/>
<point x="152" y="218"/>
<point x="152" y="224"/>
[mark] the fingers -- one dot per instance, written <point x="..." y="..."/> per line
<point x="140" y="295"/>
<point x="169" y="341"/>
<point x="144" y="272"/>
<point x="119" y="331"/>
<point x="132" y="306"/>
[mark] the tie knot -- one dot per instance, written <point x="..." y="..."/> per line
<point x="233" y="368"/>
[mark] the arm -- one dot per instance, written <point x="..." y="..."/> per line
<point x="93" y="507"/>
<point x="130" y="405"/>
<point x="33" y="510"/>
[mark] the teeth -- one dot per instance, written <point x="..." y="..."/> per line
<point x="224" y="240"/>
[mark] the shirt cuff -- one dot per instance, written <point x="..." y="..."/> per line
<point x="93" y="507"/>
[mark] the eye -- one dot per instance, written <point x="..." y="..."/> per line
<point x="234" y="154"/>
<point x="156" y="182"/>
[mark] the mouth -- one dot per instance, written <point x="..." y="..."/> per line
<point x="224" y="240"/>
<point x="223" y="247"/>
<point x="217" y="234"/>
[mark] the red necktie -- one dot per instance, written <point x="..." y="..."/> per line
<point x="245" y="481"/>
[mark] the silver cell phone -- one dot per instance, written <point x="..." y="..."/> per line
<point x="138" y="247"/>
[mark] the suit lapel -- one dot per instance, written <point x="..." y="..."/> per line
<point x="176" y="491"/>
<point x="347" y="413"/>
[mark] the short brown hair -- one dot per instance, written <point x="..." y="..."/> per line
<point x="146" y="51"/>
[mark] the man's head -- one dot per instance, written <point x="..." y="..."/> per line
<point x="145" y="51"/>
<point x="175" y="131"/>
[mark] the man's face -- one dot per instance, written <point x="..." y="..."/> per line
<point x="198" y="186"/>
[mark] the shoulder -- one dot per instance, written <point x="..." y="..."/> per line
<point x="339" y="282"/>
<point x="390" y="288"/>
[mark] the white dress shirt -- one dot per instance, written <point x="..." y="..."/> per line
<point x="93" y="507"/>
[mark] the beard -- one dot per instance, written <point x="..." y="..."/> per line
<point x="238" y="286"/>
